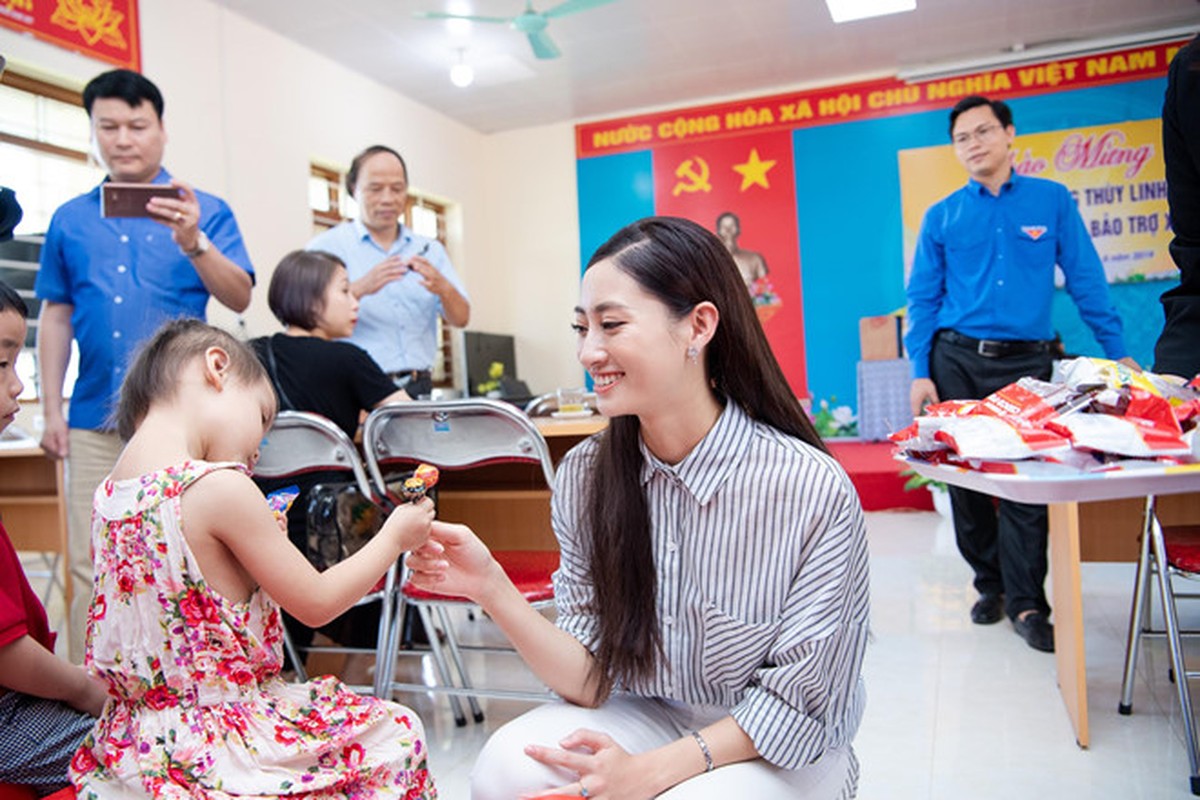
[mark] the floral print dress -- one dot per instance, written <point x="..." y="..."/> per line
<point x="197" y="706"/>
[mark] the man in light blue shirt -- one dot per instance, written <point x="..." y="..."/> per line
<point x="404" y="281"/>
<point x="979" y="303"/>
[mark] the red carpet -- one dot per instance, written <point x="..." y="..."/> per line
<point x="876" y="475"/>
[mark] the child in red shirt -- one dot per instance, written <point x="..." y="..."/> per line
<point x="47" y="705"/>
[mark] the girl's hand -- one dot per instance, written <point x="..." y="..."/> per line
<point x="605" y="768"/>
<point x="409" y="523"/>
<point x="453" y="561"/>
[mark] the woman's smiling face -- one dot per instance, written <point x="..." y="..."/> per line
<point x="628" y="342"/>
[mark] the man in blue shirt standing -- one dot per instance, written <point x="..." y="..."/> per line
<point x="979" y="307"/>
<point x="404" y="281"/>
<point x="109" y="282"/>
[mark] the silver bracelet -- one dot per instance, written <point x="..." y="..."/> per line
<point x="708" y="762"/>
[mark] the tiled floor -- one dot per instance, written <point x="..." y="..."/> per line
<point x="954" y="710"/>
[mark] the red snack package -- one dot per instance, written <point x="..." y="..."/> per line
<point x="1147" y="429"/>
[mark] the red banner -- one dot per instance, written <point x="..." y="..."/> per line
<point x="866" y="100"/>
<point x="744" y="190"/>
<point x="103" y="29"/>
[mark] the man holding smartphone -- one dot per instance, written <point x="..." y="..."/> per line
<point x="404" y="281"/>
<point x="108" y="282"/>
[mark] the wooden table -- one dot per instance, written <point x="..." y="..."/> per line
<point x="33" y="509"/>
<point x="1066" y="495"/>
<point x="508" y="505"/>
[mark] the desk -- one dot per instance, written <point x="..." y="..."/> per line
<point x="33" y="507"/>
<point x="508" y="505"/>
<point x="1064" y="494"/>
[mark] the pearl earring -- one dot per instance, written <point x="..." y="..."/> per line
<point x="693" y="354"/>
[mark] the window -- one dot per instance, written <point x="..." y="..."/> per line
<point x="44" y="140"/>
<point x="331" y="204"/>
<point x="328" y="199"/>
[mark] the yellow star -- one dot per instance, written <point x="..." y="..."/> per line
<point x="754" y="171"/>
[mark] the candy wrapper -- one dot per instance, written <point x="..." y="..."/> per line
<point x="1099" y="415"/>
<point x="1009" y="424"/>
<point x="281" y="500"/>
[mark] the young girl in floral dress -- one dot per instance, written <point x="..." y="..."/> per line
<point x="191" y="569"/>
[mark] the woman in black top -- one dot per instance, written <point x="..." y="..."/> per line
<point x="310" y="294"/>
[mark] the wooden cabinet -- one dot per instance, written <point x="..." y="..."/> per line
<point x="508" y="505"/>
<point x="33" y="507"/>
<point x="1113" y="528"/>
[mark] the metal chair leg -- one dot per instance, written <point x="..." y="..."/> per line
<point x="1176" y="647"/>
<point x="1137" y="616"/>
<point x="439" y="659"/>
<point x="294" y="654"/>
<point x="456" y="656"/>
<point x="383" y="664"/>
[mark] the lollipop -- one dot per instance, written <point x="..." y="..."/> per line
<point x="424" y="478"/>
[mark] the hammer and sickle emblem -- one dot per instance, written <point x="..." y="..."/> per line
<point x="691" y="180"/>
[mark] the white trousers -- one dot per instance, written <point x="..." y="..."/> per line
<point x="90" y="457"/>
<point x="503" y="771"/>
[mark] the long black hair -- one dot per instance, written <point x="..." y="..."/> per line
<point x="681" y="264"/>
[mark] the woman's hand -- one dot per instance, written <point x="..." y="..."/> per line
<point x="453" y="561"/>
<point x="605" y="769"/>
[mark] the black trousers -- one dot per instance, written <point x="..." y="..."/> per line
<point x="1178" y="347"/>
<point x="1004" y="542"/>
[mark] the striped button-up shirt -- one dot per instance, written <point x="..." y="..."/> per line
<point x="761" y="558"/>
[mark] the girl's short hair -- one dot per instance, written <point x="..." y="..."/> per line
<point x="297" y="291"/>
<point x="154" y="373"/>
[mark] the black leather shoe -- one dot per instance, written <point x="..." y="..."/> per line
<point x="988" y="609"/>
<point x="1037" y="631"/>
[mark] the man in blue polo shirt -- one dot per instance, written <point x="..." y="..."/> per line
<point x="979" y="303"/>
<point x="403" y="281"/>
<point x="108" y="283"/>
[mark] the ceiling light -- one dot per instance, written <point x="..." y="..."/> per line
<point x="850" y="10"/>
<point x="462" y="73"/>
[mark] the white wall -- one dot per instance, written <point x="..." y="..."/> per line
<point x="246" y="112"/>
<point x="528" y="283"/>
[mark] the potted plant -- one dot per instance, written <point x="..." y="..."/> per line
<point x="937" y="490"/>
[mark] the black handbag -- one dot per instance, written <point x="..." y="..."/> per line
<point x="340" y="521"/>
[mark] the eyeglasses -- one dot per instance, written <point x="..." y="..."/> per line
<point x="982" y="134"/>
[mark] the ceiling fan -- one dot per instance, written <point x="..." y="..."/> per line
<point x="529" y="22"/>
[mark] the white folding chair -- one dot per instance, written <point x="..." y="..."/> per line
<point x="456" y="435"/>
<point x="1167" y="552"/>
<point x="302" y="442"/>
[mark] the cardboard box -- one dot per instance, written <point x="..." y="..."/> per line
<point x="879" y="338"/>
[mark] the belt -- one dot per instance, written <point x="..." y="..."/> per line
<point x="996" y="348"/>
<point x="409" y="375"/>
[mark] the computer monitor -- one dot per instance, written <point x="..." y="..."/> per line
<point x="482" y="352"/>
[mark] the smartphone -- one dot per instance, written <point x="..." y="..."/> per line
<point x="129" y="199"/>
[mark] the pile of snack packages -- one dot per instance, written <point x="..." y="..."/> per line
<point x="1097" y="415"/>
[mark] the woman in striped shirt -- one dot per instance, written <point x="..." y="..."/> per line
<point x="713" y="597"/>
